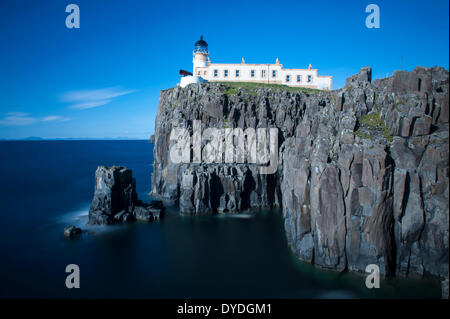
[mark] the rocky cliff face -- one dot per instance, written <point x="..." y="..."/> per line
<point x="362" y="172"/>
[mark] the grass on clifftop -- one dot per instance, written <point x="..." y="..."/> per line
<point x="233" y="87"/>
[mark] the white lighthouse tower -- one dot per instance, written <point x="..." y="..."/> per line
<point x="200" y="60"/>
<point x="201" y="55"/>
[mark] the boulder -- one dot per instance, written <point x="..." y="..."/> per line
<point x="143" y="214"/>
<point x="71" y="231"/>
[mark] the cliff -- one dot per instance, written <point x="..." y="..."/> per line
<point x="361" y="173"/>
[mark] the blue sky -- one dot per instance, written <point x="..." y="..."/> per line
<point x="103" y="79"/>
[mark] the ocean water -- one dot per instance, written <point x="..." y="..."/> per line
<point x="46" y="185"/>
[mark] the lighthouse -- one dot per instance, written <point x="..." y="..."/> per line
<point x="200" y="60"/>
<point x="269" y="73"/>
<point x="201" y="55"/>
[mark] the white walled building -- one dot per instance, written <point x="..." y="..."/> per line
<point x="243" y="72"/>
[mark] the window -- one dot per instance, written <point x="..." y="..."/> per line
<point x="199" y="72"/>
<point x="309" y="78"/>
<point x="205" y="72"/>
<point x="263" y="73"/>
<point x="225" y="73"/>
<point x="216" y="73"/>
<point x="288" y="78"/>
<point x="299" y="78"/>
<point x="252" y="73"/>
<point x="274" y="74"/>
<point x="237" y="73"/>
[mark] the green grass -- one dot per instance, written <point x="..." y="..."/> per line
<point x="363" y="135"/>
<point x="233" y="87"/>
<point x="372" y="121"/>
<point x="230" y="91"/>
<point x="387" y="135"/>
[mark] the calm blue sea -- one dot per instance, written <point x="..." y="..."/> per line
<point x="46" y="185"/>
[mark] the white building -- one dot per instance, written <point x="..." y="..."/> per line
<point x="269" y="73"/>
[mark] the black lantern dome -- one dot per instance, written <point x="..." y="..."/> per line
<point x="201" y="46"/>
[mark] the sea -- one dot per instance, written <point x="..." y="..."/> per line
<point x="46" y="185"/>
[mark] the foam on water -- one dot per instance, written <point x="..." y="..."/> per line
<point x="77" y="217"/>
<point x="80" y="218"/>
<point x="241" y="216"/>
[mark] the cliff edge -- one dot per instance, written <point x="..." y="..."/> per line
<point x="361" y="173"/>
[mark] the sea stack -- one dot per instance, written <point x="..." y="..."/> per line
<point x="115" y="198"/>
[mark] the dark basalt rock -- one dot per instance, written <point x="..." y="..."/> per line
<point x="362" y="172"/>
<point x="71" y="231"/>
<point x="445" y="289"/>
<point x="143" y="214"/>
<point x="158" y="204"/>
<point x="115" y="198"/>
<point x="124" y="217"/>
<point x="148" y="212"/>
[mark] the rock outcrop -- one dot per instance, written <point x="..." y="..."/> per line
<point x="116" y="201"/>
<point x="445" y="289"/>
<point x="362" y="172"/>
<point x="71" y="231"/>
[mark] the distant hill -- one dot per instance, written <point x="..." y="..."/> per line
<point x="37" y="138"/>
<point x="33" y="138"/>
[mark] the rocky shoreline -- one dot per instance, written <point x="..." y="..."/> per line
<point x="362" y="176"/>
